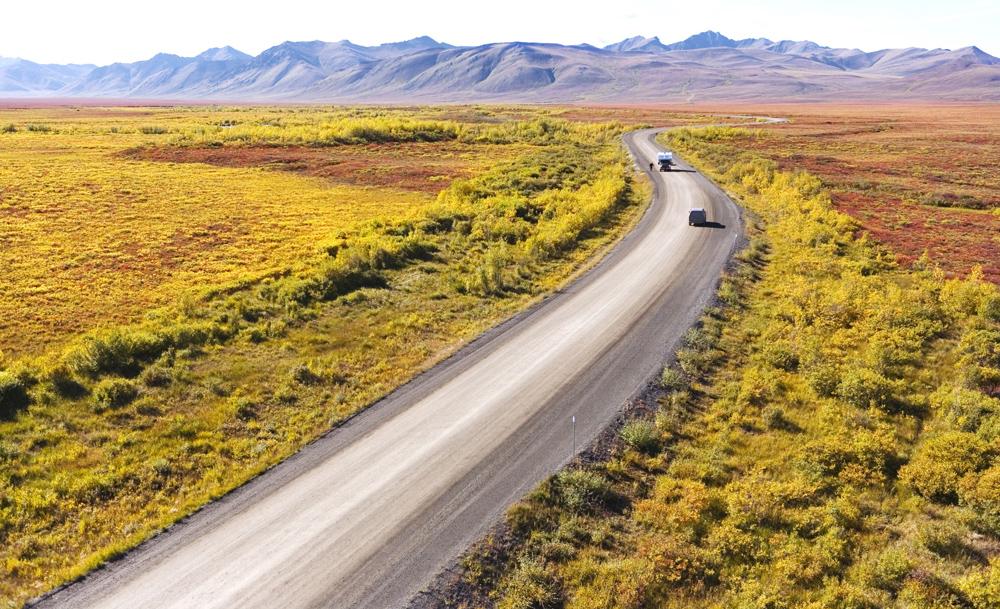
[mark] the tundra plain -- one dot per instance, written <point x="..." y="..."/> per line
<point x="192" y="294"/>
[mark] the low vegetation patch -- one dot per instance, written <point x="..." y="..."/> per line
<point x="421" y="167"/>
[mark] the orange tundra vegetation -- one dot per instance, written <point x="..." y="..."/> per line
<point x="917" y="178"/>
<point x="420" y="166"/>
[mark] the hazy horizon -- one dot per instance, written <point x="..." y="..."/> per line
<point x="111" y="31"/>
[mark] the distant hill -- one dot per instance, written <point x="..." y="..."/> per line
<point x="638" y="44"/>
<point x="19" y="77"/>
<point x="706" y="66"/>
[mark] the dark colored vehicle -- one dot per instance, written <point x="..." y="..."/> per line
<point x="697" y="217"/>
<point x="665" y="160"/>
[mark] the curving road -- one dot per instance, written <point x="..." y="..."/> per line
<point x="367" y="515"/>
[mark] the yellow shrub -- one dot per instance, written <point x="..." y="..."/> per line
<point x="983" y="586"/>
<point x="940" y="462"/>
<point x="611" y="583"/>
<point x="981" y="492"/>
<point x="677" y="505"/>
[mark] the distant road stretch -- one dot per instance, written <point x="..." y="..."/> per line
<point x="369" y="514"/>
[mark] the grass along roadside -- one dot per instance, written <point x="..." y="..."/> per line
<point x="131" y="428"/>
<point x="829" y="438"/>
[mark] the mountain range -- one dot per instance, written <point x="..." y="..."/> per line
<point x="704" y="67"/>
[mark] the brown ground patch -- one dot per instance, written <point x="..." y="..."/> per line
<point x="422" y="167"/>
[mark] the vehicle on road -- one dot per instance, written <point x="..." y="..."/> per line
<point x="697" y="216"/>
<point x="665" y="160"/>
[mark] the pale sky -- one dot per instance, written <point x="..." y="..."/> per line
<point x="75" y="31"/>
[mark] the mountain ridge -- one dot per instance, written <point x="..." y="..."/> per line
<point x="705" y="66"/>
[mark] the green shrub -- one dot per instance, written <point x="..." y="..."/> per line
<point x="774" y="418"/>
<point x="859" y="456"/>
<point x="981" y="347"/>
<point x="530" y="586"/>
<point x="37" y="128"/>
<point x="65" y="383"/>
<point x="887" y="571"/>
<point x="780" y="355"/>
<point x="184" y="335"/>
<point x="157" y="376"/>
<point x="757" y="385"/>
<point x="729" y="292"/>
<point x="942" y="538"/>
<point x="671" y="379"/>
<point x="642" y="436"/>
<point x="381" y="251"/>
<point x="808" y="562"/>
<point x="964" y="409"/>
<point x="9" y="128"/>
<point x="582" y="491"/>
<point x="865" y="388"/>
<point x="980" y="361"/>
<point x="114" y="393"/>
<point x="218" y="386"/>
<point x="669" y="421"/>
<point x="152" y="130"/>
<point x="303" y="374"/>
<point x="243" y="407"/>
<point x="8" y="452"/>
<point x="823" y="378"/>
<point x="161" y="467"/>
<point x="693" y="362"/>
<point x="331" y="280"/>
<point x="488" y="278"/>
<point x="989" y="308"/>
<point x="286" y="394"/>
<point x="527" y="516"/>
<point x="677" y="400"/>
<point x="13" y="393"/>
<point x="989" y="428"/>
<point x="117" y="351"/>
<point x="698" y="338"/>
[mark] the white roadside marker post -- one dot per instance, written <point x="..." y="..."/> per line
<point x="573" y="454"/>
